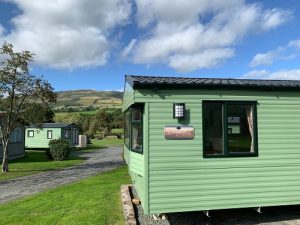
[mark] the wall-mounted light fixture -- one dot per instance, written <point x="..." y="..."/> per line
<point x="178" y="110"/>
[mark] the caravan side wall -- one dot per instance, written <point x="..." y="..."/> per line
<point x="181" y="179"/>
<point x="15" y="150"/>
<point x="40" y="139"/>
<point x="138" y="164"/>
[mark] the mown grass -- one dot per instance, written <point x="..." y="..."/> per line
<point x="95" y="200"/>
<point x="117" y="131"/>
<point x="104" y="143"/>
<point x="36" y="161"/>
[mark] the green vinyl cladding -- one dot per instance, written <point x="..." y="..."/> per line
<point x="178" y="177"/>
<point x="128" y="97"/>
<point x="138" y="165"/>
<point x="40" y="139"/>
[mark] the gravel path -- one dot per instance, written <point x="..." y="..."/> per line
<point x="95" y="162"/>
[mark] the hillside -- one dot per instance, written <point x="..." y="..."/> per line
<point x="79" y="99"/>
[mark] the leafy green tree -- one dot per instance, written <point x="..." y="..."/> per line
<point x="117" y="118"/>
<point x="40" y="113"/>
<point x="19" y="89"/>
<point x="101" y="123"/>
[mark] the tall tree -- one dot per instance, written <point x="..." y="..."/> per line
<point x="40" y="113"/>
<point x="19" y="90"/>
<point x="102" y="123"/>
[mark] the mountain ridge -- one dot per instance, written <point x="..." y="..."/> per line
<point x="81" y="98"/>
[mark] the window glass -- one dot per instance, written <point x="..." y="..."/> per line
<point x="126" y="128"/>
<point x="137" y="137"/>
<point x="136" y="115"/>
<point x="229" y="128"/>
<point x="133" y="129"/>
<point x="67" y="133"/>
<point x="30" y="133"/>
<point x="213" y="129"/>
<point x="240" y="128"/>
<point x="49" y="134"/>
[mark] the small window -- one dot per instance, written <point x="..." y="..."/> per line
<point x="229" y="129"/>
<point x="67" y="133"/>
<point x="127" y="128"/>
<point x="137" y="137"/>
<point x="136" y="115"/>
<point x="49" y="134"/>
<point x="30" y="133"/>
<point x="133" y="129"/>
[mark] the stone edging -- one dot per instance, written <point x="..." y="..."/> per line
<point x="127" y="205"/>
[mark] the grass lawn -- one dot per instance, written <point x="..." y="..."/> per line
<point x="95" y="200"/>
<point x="98" y="144"/>
<point x="117" y="131"/>
<point x="34" y="162"/>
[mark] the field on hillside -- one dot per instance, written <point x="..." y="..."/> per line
<point x="79" y="99"/>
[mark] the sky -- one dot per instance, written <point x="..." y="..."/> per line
<point x="84" y="44"/>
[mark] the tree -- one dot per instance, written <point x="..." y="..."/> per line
<point x="102" y="123"/>
<point x="117" y="118"/>
<point x="40" y="113"/>
<point x="19" y="90"/>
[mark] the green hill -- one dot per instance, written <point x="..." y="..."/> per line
<point x="81" y="99"/>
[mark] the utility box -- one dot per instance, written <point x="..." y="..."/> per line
<point x="82" y="141"/>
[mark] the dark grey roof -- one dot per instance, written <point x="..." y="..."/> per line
<point x="52" y="125"/>
<point x="230" y="83"/>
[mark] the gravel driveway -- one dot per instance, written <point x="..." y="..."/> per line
<point x="95" y="162"/>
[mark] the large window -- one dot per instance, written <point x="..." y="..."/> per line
<point x="229" y="129"/>
<point x="133" y="129"/>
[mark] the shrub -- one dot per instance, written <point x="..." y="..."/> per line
<point x="59" y="149"/>
<point x="98" y="136"/>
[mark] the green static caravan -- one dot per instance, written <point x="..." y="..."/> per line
<point x="39" y="137"/>
<point x="195" y="144"/>
<point x="16" y="147"/>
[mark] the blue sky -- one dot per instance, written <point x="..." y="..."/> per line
<point x="83" y="44"/>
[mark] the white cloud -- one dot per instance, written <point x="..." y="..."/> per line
<point x="256" y="74"/>
<point x="263" y="59"/>
<point x="278" y="75"/>
<point x="190" y="35"/>
<point x="280" y="53"/>
<point x="69" y="33"/>
<point x="2" y="29"/>
<point x="127" y="50"/>
<point x="274" y="17"/>
<point x="294" y="43"/>
<point x="207" y="58"/>
<point x="118" y="89"/>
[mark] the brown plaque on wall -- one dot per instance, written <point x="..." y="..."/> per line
<point x="179" y="132"/>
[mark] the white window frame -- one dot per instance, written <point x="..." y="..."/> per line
<point x="49" y="132"/>
<point x="29" y="132"/>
